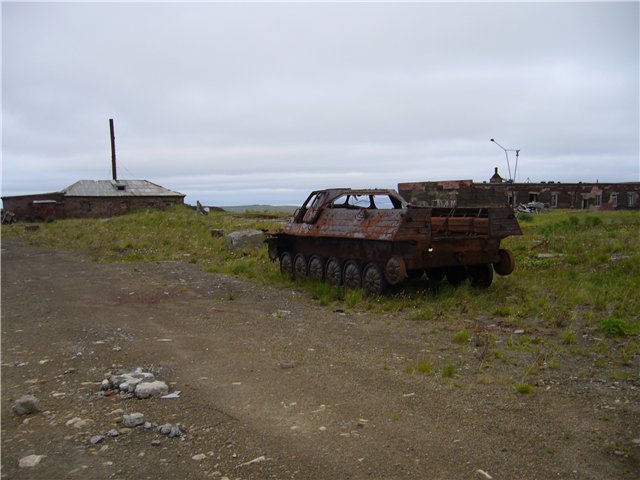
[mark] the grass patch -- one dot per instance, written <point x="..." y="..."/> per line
<point x="593" y="272"/>
<point x="523" y="388"/>
<point x="449" y="370"/>
<point x="462" y="336"/>
<point x="618" y="327"/>
<point x="568" y="337"/>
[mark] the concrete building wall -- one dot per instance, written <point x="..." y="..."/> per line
<point x="101" y="207"/>
<point x="602" y="196"/>
<point x="38" y="207"/>
<point x="55" y="206"/>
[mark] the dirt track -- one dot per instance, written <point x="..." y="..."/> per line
<point x="267" y="372"/>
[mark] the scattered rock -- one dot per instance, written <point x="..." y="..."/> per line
<point x="260" y="459"/>
<point x="113" y="433"/>
<point x="149" y="389"/>
<point x="550" y="255"/>
<point x="165" y="429"/>
<point x="156" y="442"/>
<point x="199" y="457"/>
<point x="483" y="474"/>
<point x="26" y="405"/>
<point x="245" y="238"/>
<point x="78" y="422"/>
<point x="96" y="439"/>
<point x="133" y="419"/>
<point x="130" y="377"/>
<point x="105" y="385"/>
<point x="616" y="257"/>
<point x="171" y="430"/>
<point x="286" y="364"/>
<point x="147" y="425"/>
<point x="30" y="461"/>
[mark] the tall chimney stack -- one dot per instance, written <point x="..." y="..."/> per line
<point x="113" y="151"/>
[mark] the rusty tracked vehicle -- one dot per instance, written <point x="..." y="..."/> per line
<point x="373" y="238"/>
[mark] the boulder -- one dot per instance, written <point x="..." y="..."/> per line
<point x="149" y="389"/>
<point x="133" y="419"/>
<point x="26" y="405"/>
<point x="245" y="239"/>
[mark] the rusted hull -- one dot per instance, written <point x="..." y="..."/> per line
<point x="331" y="230"/>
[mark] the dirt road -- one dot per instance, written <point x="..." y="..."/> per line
<point x="266" y="372"/>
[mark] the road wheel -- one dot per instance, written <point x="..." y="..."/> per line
<point x="373" y="280"/>
<point x="286" y="263"/>
<point x="395" y="270"/>
<point x="435" y="274"/>
<point x="480" y="276"/>
<point x="352" y="275"/>
<point x="506" y="264"/>
<point x="333" y="271"/>
<point x="300" y="266"/>
<point x="316" y="268"/>
<point x="456" y="275"/>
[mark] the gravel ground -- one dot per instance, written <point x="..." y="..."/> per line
<point x="272" y="385"/>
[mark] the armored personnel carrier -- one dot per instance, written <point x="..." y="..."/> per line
<point x="373" y="238"/>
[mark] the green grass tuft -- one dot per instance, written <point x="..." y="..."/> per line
<point x="449" y="370"/>
<point x="618" y="327"/>
<point x="523" y="388"/>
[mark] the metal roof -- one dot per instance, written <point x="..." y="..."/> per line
<point x="118" y="188"/>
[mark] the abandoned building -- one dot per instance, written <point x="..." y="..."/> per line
<point x="593" y="196"/>
<point x="91" y="199"/>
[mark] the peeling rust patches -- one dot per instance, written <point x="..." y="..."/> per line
<point x="368" y="227"/>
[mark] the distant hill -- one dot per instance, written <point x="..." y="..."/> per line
<point x="260" y="208"/>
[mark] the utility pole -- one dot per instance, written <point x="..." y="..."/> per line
<point x="113" y="151"/>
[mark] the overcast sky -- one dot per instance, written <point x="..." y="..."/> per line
<point x="261" y="103"/>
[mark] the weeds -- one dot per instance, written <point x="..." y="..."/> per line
<point x="449" y="370"/>
<point x="524" y="388"/>
<point x="592" y="276"/>
<point x="618" y="327"/>
<point x="462" y="336"/>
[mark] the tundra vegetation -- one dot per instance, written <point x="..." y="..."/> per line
<point x="574" y="293"/>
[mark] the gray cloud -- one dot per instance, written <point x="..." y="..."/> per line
<point x="263" y="102"/>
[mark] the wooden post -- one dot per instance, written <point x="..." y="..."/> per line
<point x="113" y="151"/>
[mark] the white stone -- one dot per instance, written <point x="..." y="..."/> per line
<point x="148" y="389"/>
<point x="78" y="422"/>
<point x="30" y="461"/>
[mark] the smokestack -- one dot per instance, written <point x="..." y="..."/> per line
<point x="113" y="151"/>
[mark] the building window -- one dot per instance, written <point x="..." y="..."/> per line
<point x="613" y="199"/>
<point x="85" y="206"/>
<point x="630" y="199"/>
<point x="598" y="200"/>
<point x="533" y="196"/>
<point x="554" y="200"/>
